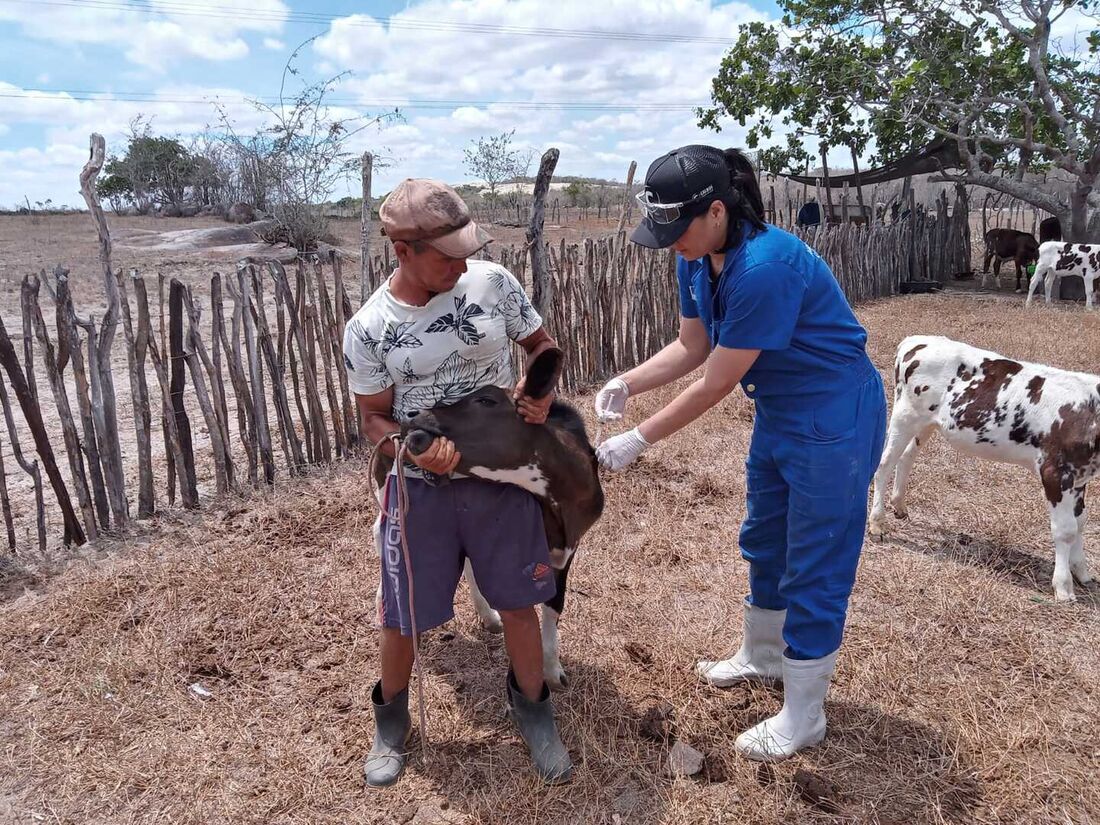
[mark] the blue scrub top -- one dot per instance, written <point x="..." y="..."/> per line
<point x="777" y="295"/>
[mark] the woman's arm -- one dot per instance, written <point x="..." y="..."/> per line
<point x="725" y="369"/>
<point x="676" y="360"/>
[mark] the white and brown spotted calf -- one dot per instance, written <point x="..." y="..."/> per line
<point x="1042" y="418"/>
<point x="1057" y="259"/>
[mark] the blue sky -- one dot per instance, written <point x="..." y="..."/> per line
<point x="178" y="54"/>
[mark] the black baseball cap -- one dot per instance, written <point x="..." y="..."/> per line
<point x="690" y="179"/>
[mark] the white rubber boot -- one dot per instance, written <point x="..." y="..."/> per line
<point x="761" y="655"/>
<point x="801" y="722"/>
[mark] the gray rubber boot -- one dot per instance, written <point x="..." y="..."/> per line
<point x="392" y="726"/>
<point x="535" y="722"/>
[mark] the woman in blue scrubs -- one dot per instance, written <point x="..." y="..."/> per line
<point x="761" y="309"/>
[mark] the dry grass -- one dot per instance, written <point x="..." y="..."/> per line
<point x="964" y="694"/>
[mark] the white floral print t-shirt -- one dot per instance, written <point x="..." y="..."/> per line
<point x="444" y="350"/>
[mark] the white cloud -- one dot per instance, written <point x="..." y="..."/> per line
<point x="273" y="44"/>
<point x="42" y="79"/>
<point x="600" y="72"/>
<point x="156" y="36"/>
<point x="395" y="65"/>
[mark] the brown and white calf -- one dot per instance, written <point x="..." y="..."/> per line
<point x="1039" y="417"/>
<point x="1057" y="259"/>
<point x="554" y="461"/>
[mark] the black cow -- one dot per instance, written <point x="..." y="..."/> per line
<point x="1009" y="245"/>
<point x="1050" y="229"/>
<point x="554" y="461"/>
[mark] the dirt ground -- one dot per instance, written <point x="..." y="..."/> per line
<point x="964" y="693"/>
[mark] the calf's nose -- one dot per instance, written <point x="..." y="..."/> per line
<point x="418" y="441"/>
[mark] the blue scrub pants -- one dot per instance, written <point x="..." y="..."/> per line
<point x="809" y="468"/>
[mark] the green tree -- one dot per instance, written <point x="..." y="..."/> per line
<point x="158" y="170"/>
<point x="578" y="193"/>
<point x="894" y="74"/>
<point x="495" y="161"/>
<point x="115" y="188"/>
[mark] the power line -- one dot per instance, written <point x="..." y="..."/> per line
<point x="85" y="95"/>
<point x="180" y="8"/>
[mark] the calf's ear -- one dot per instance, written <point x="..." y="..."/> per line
<point x="543" y="372"/>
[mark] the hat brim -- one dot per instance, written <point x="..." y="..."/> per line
<point x="660" y="235"/>
<point x="463" y="242"/>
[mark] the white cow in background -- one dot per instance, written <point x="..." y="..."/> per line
<point x="1039" y="417"/>
<point x="1057" y="259"/>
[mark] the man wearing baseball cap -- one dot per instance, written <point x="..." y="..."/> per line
<point x="761" y="309"/>
<point x="437" y="329"/>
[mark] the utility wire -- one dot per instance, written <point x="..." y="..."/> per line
<point x="105" y="96"/>
<point x="178" y="7"/>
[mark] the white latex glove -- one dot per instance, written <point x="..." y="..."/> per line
<point x="611" y="400"/>
<point x="617" y="452"/>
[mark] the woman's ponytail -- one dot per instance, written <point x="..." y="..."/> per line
<point x="744" y="203"/>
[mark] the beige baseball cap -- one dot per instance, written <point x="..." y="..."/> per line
<point x="419" y="209"/>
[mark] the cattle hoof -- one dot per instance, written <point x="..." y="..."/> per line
<point x="1065" y="597"/>
<point x="1083" y="576"/>
<point x="492" y="623"/>
<point x="556" y="680"/>
<point x="877" y="532"/>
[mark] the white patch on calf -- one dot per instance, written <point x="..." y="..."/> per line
<point x="559" y="557"/>
<point x="531" y="477"/>
<point x="552" y="670"/>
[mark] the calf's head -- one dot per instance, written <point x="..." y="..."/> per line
<point x="485" y="425"/>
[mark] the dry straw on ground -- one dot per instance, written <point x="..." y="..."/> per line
<point x="964" y="694"/>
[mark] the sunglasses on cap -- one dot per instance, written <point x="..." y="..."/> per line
<point x="666" y="212"/>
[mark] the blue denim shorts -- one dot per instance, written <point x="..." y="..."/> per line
<point x="497" y="526"/>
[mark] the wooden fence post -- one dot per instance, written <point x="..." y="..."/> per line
<point x="25" y="302"/>
<point x="5" y="500"/>
<point x="197" y="359"/>
<point x="102" y="376"/>
<point x="246" y="424"/>
<point x="69" y="349"/>
<point x="136" y="348"/>
<point x="68" y="426"/>
<point x="255" y="367"/>
<point x="351" y="424"/>
<point x="178" y="381"/>
<point x="292" y="447"/>
<point x="32" y="414"/>
<point x="177" y="465"/>
<point x="166" y="409"/>
<point x="543" y="288"/>
<point x="366" y="282"/>
<point x="331" y="352"/>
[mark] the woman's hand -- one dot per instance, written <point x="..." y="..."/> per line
<point x="611" y="400"/>
<point x="440" y="458"/>
<point x="619" y="451"/>
<point x="533" y="410"/>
